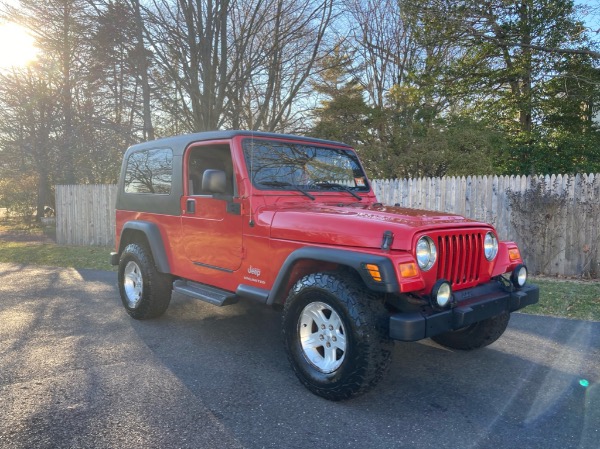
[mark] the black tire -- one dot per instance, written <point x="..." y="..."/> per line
<point x="145" y="293"/>
<point x="476" y="335"/>
<point x="358" y="318"/>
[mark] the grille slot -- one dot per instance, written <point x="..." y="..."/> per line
<point x="459" y="258"/>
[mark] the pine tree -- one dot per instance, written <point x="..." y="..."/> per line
<point x="343" y="114"/>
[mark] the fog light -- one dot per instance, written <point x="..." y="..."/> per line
<point x="441" y="293"/>
<point x="519" y="276"/>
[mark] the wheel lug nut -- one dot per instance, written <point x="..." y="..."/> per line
<point x="328" y="345"/>
<point x="333" y="338"/>
<point x="330" y="327"/>
<point x="321" y="337"/>
<point x="322" y="326"/>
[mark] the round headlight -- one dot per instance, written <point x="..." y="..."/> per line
<point x="426" y="253"/>
<point x="441" y="293"/>
<point x="519" y="276"/>
<point x="490" y="246"/>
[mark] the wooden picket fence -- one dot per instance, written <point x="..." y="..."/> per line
<point x="85" y="214"/>
<point x="568" y="239"/>
<point x="482" y="198"/>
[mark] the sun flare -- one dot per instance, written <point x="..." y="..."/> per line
<point x="17" y="47"/>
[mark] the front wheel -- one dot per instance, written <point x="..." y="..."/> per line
<point x="336" y="335"/>
<point x="475" y="336"/>
<point x="145" y="293"/>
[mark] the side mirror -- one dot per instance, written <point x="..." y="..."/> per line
<point x="214" y="181"/>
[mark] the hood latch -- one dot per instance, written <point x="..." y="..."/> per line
<point x="387" y="240"/>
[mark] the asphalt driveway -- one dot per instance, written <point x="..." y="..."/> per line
<point x="77" y="372"/>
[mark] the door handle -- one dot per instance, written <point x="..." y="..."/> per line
<point x="190" y="206"/>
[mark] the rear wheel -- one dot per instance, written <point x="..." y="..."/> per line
<point x="145" y="293"/>
<point x="336" y="335"/>
<point x="475" y="336"/>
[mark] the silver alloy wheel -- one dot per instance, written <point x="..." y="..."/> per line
<point x="322" y="337"/>
<point x="133" y="283"/>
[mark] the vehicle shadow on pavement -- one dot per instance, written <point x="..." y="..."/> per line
<point x="232" y="358"/>
<point x="77" y="371"/>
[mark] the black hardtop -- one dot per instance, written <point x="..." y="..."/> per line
<point x="179" y="143"/>
<point x="169" y="204"/>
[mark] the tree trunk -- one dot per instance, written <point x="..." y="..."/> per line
<point x="142" y="71"/>
<point x="525" y="106"/>
<point x="68" y="150"/>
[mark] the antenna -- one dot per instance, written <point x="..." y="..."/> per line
<point x="251" y="178"/>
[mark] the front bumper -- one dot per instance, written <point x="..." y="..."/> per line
<point x="473" y="305"/>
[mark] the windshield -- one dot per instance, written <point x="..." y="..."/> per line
<point x="275" y="165"/>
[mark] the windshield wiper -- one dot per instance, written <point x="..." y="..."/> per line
<point x="287" y="184"/>
<point x="339" y="187"/>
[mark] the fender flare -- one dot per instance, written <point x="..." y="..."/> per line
<point x="157" y="247"/>
<point x="352" y="259"/>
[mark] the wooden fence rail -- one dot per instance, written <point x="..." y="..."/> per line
<point x="565" y="241"/>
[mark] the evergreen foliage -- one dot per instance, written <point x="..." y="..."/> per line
<point x="475" y="87"/>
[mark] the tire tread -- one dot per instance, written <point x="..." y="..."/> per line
<point x="478" y="335"/>
<point x="370" y="322"/>
<point x="157" y="286"/>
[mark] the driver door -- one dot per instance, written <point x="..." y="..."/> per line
<point x="211" y="221"/>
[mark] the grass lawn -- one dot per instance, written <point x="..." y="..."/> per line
<point x="30" y="243"/>
<point x="567" y="298"/>
<point x="55" y="255"/>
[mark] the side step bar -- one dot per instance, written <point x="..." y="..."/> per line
<point x="206" y="293"/>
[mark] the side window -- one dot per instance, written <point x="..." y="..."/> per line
<point x="149" y="171"/>
<point x="202" y="158"/>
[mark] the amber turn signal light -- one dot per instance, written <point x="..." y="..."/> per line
<point x="514" y="254"/>
<point x="374" y="272"/>
<point x="408" y="270"/>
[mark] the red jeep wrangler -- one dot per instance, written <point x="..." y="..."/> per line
<point x="292" y="222"/>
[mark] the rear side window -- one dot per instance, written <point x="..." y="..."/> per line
<point x="149" y="171"/>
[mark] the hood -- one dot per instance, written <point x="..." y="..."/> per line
<point x="358" y="225"/>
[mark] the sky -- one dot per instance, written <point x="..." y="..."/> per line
<point x="17" y="48"/>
